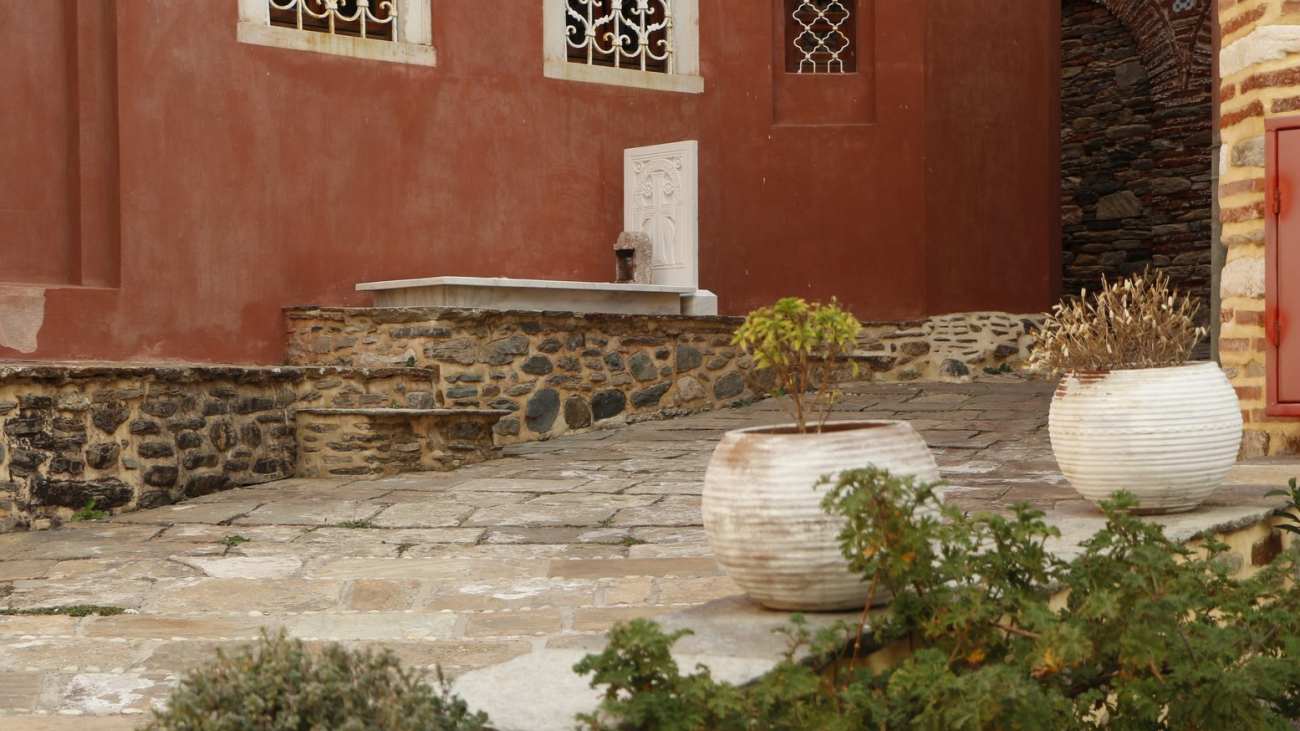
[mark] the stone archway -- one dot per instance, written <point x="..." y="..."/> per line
<point x="1136" y="140"/>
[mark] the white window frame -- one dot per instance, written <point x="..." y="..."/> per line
<point x="413" y="43"/>
<point x="686" y="77"/>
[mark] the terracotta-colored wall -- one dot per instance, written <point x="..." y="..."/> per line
<point x="254" y="178"/>
<point x="34" y="197"/>
<point x="993" y="155"/>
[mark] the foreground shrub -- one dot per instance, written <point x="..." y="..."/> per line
<point x="276" y="685"/>
<point x="1152" y="635"/>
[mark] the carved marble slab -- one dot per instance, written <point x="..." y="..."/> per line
<point x="661" y="198"/>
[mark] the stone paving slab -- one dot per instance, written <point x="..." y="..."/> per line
<point x="491" y="567"/>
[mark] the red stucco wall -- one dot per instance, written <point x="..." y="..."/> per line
<point x="254" y="178"/>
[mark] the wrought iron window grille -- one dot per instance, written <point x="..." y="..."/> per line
<point x="625" y="34"/>
<point x="375" y="19"/>
<point x="821" y="37"/>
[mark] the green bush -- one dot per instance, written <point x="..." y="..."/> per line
<point x="1152" y="636"/>
<point x="276" y="685"/>
<point x="801" y="345"/>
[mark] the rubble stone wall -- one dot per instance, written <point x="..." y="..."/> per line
<point x="555" y="372"/>
<point x="371" y="443"/>
<point x="559" y="372"/>
<point x="131" y="437"/>
<point x="948" y="347"/>
<point x="1136" y="116"/>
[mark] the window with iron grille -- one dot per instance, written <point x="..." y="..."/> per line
<point x="398" y="31"/>
<point x="359" y="18"/>
<point x="821" y="37"/>
<point x="649" y="44"/>
<point x="633" y="34"/>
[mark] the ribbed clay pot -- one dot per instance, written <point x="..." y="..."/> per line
<point x="764" y="518"/>
<point x="1167" y="435"/>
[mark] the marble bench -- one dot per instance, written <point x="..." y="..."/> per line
<point x="501" y="293"/>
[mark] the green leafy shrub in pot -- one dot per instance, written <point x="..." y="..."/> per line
<point x="1151" y="635"/>
<point x="801" y="344"/>
<point x="277" y="685"/>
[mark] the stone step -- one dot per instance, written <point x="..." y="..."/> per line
<point x="373" y="443"/>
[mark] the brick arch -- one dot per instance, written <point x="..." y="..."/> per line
<point x="1175" y="46"/>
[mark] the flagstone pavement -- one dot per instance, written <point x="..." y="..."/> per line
<point x="546" y="548"/>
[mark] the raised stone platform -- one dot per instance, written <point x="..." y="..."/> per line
<point x="540" y="295"/>
<point x="558" y="372"/>
<point x="130" y="436"/>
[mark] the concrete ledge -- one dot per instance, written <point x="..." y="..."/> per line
<point x="429" y="313"/>
<point x="502" y="293"/>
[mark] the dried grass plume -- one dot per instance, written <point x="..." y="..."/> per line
<point x="1132" y="323"/>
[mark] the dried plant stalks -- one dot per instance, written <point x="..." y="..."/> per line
<point x="1133" y="323"/>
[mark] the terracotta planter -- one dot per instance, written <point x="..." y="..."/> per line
<point x="1167" y="435"/>
<point x="764" y="519"/>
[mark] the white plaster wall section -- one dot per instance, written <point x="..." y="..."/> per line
<point x="22" y="314"/>
<point x="1266" y="43"/>
<point x="661" y="198"/>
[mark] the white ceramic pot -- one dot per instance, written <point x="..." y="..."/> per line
<point x="764" y="519"/>
<point x="1167" y="435"/>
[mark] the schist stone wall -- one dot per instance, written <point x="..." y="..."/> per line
<point x="558" y="372"/>
<point x="554" y="372"/>
<point x="142" y="436"/>
<point x="948" y="347"/>
<point x="1260" y="78"/>
<point x="386" y="441"/>
<point x="1136" y="115"/>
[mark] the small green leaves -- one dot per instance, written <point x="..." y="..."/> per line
<point x="1291" y="511"/>
<point x="88" y="513"/>
<point x="802" y="344"/>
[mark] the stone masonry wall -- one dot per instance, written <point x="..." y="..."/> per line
<point x="1260" y="77"/>
<point x="555" y="372"/>
<point x="139" y="437"/>
<point x="370" y="443"/>
<point x="1135" y="169"/>
<point x="560" y="372"/>
<point x="948" y="347"/>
